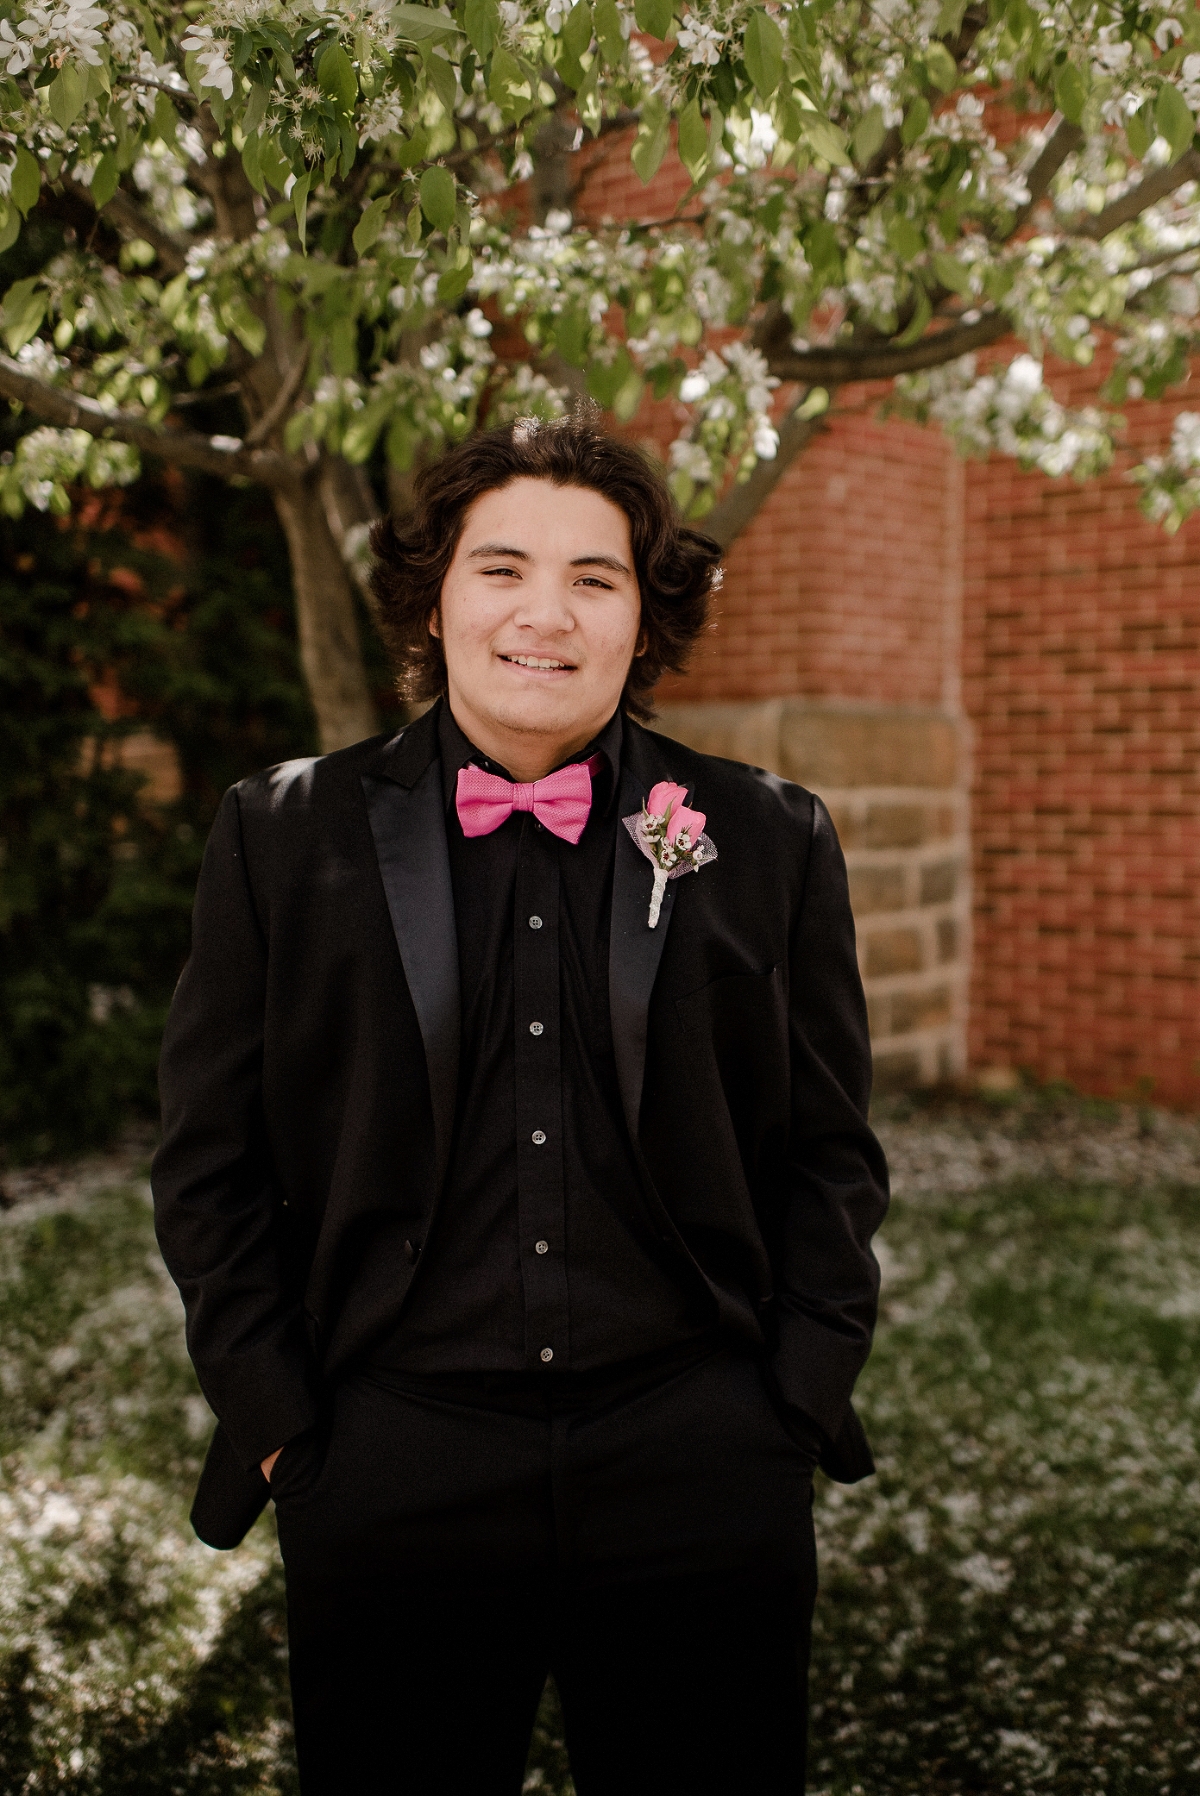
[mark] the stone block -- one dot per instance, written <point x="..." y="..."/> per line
<point x="893" y="951"/>
<point x="893" y="826"/>
<point x="938" y="882"/>
<point x="876" y="888"/>
<point x="736" y="731"/>
<point x="824" y="746"/>
<point x="920" y="1010"/>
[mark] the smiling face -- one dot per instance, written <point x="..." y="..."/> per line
<point x="539" y="618"/>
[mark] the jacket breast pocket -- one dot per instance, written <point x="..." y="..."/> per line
<point x="737" y="1028"/>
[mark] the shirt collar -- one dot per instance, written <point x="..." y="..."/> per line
<point x="457" y="750"/>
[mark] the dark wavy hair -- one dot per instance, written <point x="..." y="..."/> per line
<point x="677" y="567"/>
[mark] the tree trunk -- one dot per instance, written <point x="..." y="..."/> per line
<point x="330" y="646"/>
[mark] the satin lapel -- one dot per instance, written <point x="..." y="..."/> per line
<point x="634" y="949"/>
<point x="409" y="826"/>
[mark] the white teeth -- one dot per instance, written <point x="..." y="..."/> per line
<point x="532" y="661"/>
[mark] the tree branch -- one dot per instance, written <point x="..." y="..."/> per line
<point x="281" y="404"/>
<point x="741" y="504"/>
<point x="1040" y="169"/>
<point x="1137" y="200"/>
<point x="836" y="366"/>
<point x="131" y="220"/>
<point x="186" y="448"/>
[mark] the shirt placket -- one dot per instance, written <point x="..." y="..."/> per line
<point x="541" y="1199"/>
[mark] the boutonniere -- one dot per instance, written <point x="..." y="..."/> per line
<point x="671" y="837"/>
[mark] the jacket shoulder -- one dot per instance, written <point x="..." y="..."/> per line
<point x="303" y="783"/>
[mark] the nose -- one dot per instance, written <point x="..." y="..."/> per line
<point x="544" y="607"/>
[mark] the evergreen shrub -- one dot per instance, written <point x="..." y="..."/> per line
<point x="134" y="614"/>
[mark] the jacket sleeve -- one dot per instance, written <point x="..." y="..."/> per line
<point x="216" y="1207"/>
<point x="837" y="1189"/>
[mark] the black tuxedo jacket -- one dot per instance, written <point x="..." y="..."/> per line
<point x="310" y="1067"/>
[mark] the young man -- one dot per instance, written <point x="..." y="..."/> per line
<point x="516" y="1176"/>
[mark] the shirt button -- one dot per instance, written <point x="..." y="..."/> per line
<point x="535" y="922"/>
<point x="547" y="1354"/>
<point x="541" y="1247"/>
<point x="536" y="1028"/>
<point x="539" y="1135"/>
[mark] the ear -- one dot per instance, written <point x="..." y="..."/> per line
<point x="434" y="623"/>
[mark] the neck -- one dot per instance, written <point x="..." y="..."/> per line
<point x="527" y="754"/>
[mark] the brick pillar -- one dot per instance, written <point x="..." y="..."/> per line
<point x="895" y="781"/>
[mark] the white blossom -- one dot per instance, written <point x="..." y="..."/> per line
<point x="702" y="43"/>
<point x="213" y="55"/>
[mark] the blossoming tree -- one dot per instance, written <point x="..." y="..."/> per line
<point x="309" y="207"/>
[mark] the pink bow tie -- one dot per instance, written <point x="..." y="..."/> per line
<point x="561" y="801"/>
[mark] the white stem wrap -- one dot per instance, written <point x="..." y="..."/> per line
<point x="656" y="896"/>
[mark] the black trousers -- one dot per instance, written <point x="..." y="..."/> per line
<point x="647" y="1542"/>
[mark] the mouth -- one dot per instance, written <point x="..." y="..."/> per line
<point x="539" y="663"/>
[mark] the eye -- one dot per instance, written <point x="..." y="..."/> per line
<point x="592" y="580"/>
<point x="502" y="570"/>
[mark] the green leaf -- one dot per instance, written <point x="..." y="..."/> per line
<point x="650" y="144"/>
<point x="246" y="326"/>
<point x="441" y="78"/>
<point x="154" y="41"/>
<point x="274" y="164"/>
<point x="256" y="109"/>
<point x="916" y="121"/>
<point x="453" y="284"/>
<point x="510" y="85"/>
<point x="26" y="180"/>
<point x="439" y="195"/>
<point x="482" y="21"/>
<point x="572" y="332"/>
<point x="605" y="379"/>
<point x="1138" y="132"/>
<point x="166" y="119"/>
<point x="608" y="31"/>
<point x="252" y="164"/>
<point x="941" y="67"/>
<point x="816" y="402"/>
<point x="952" y="273"/>
<point x="917" y="325"/>
<point x="366" y="231"/>
<point x="412" y="150"/>
<point x="950" y="18"/>
<point x="869" y="134"/>
<point x="762" y="51"/>
<point x="300" y="207"/>
<point x="574" y="41"/>
<point x="415" y="23"/>
<point x="825" y="138"/>
<point x="336" y="77"/>
<point x="1070" y="92"/>
<point x="1174" y="120"/>
<point x="654" y="17"/>
<point x="105" y="179"/>
<point x="10" y="230"/>
<point x="905" y="238"/>
<point x="693" y="140"/>
<point x="22" y="313"/>
<point x="68" y="92"/>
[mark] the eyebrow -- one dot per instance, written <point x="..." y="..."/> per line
<point x="486" y="550"/>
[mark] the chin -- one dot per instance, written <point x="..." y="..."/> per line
<point x="538" y="711"/>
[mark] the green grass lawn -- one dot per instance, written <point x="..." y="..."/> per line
<point x="1013" y="1604"/>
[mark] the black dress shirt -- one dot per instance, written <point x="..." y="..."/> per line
<point x="530" y="1267"/>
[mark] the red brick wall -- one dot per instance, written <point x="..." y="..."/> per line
<point x="846" y="583"/>
<point x="1082" y="678"/>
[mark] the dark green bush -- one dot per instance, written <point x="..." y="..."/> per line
<point x="135" y="615"/>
